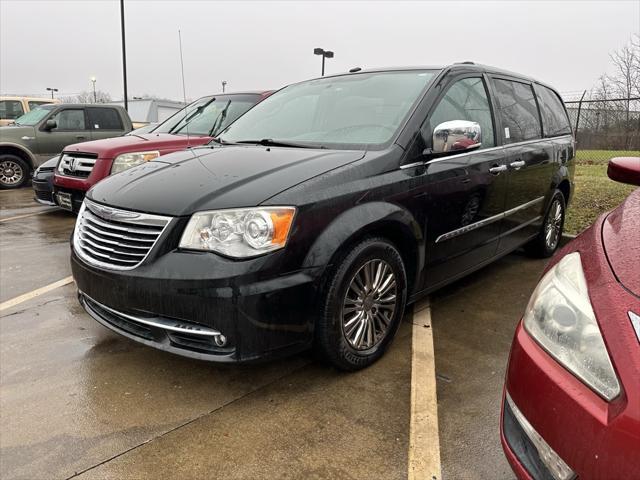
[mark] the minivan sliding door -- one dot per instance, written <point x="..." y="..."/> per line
<point x="529" y="159"/>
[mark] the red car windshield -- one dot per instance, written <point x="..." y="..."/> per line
<point x="208" y="115"/>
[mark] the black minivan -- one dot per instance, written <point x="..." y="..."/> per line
<point x="317" y="216"/>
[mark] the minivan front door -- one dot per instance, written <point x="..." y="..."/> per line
<point x="465" y="191"/>
<point x="529" y="159"/>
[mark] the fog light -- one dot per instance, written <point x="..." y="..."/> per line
<point x="558" y="469"/>
<point x="220" y="340"/>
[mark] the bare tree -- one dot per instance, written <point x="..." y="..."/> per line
<point x="626" y="77"/>
<point x="87" y="97"/>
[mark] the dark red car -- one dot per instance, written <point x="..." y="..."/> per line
<point x="571" y="406"/>
<point x="82" y="165"/>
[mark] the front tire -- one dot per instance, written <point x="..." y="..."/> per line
<point x="362" y="305"/>
<point x="548" y="239"/>
<point x="14" y="171"/>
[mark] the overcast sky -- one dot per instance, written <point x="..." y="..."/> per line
<point x="264" y="45"/>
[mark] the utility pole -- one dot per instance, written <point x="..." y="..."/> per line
<point x="124" y="55"/>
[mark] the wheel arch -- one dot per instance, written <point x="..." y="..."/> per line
<point x="19" y="151"/>
<point x="382" y="219"/>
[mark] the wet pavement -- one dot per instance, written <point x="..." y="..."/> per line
<point x="77" y="400"/>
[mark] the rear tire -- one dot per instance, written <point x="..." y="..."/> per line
<point x="14" y="171"/>
<point x="548" y="239"/>
<point x="362" y="305"/>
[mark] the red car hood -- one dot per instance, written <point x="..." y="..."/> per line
<point x="621" y="240"/>
<point x="111" y="147"/>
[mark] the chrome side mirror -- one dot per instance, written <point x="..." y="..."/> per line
<point x="456" y="136"/>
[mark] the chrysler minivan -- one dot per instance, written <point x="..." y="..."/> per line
<point x="316" y="217"/>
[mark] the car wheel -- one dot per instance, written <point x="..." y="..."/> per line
<point x="548" y="239"/>
<point x="362" y="305"/>
<point x="14" y="171"/>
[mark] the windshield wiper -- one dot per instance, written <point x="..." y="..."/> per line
<point x="270" y="142"/>
<point x="187" y="118"/>
<point x="218" y="122"/>
<point x="220" y="141"/>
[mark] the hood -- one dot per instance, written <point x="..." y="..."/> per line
<point x="112" y="147"/>
<point x="216" y="178"/>
<point x="621" y="240"/>
<point x="14" y="133"/>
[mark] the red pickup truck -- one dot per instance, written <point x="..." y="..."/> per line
<point x="82" y="165"/>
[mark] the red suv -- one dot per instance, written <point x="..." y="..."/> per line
<point x="571" y="404"/>
<point x="82" y="165"/>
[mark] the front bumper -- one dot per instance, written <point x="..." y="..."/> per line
<point x="261" y="313"/>
<point x="43" y="189"/>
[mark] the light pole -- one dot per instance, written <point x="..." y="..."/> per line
<point x="49" y="89"/>
<point x="95" y="98"/>
<point x="124" y="55"/>
<point x="325" y="54"/>
<point x="224" y="84"/>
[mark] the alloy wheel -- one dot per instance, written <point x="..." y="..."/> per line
<point x="553" y="228"/>
<point x="369" y="305"/>
<point x="10" y="173"/>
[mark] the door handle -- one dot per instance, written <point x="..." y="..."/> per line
<point x="518" y="164"/>
<point x="498" y="169"/>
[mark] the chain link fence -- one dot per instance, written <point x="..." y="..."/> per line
<point x="605" y="127"/>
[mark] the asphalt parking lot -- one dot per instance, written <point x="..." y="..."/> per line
<point x="77" y="401"/>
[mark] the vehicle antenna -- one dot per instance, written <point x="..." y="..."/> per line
<point x="184" y="89"/>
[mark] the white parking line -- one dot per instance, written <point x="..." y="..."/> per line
<point x="27" y="215"/>
<point x="424" y="440"/>
<point x="34" y="293"/>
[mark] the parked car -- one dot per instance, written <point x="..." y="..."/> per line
<point x="14" y="107"/>
<point x="46" y="130"/>
<point x="323" y="211"/>
<point x="42" y="181"/>
<point x="571" y="403"/>
<point x="83" y="165"/>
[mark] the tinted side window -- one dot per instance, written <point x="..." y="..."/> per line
<point x="554" y="117"/>
<point x="465" y="100"/>
<point x="10" y="109"/>
<point x="104" y="119"/>
<point x="518" y="111"/>
<point x="70" y="120"/>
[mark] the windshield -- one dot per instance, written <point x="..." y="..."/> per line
<point x="362" y="110"/>
<point x="34" y="116"/>
<point x="207" y="116"/>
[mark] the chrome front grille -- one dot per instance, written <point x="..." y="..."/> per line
<point x="115" y="239"/>
<point x="76" y="165"/>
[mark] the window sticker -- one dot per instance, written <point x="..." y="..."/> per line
<point x="506" y="133"/>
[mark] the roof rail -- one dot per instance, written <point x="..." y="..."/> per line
<point x="468" y="62"/>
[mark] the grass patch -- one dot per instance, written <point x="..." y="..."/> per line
<point x="594" y="192"/>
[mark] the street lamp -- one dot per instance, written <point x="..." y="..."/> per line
<point x="49" y="89"/>
<point x="224" y="84"/>
<point x="325" y="54"/>
<point x="95" y="98"/>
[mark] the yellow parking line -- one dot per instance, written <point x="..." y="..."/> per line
<point x="34" y="293"/>
<point x="424" y="440"/>
<point x="26" y="215"/>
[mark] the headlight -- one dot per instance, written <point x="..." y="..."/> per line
<point x="128" y="160"/>
<point x="240" y="233"/>
<point x="560" y="318"/>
